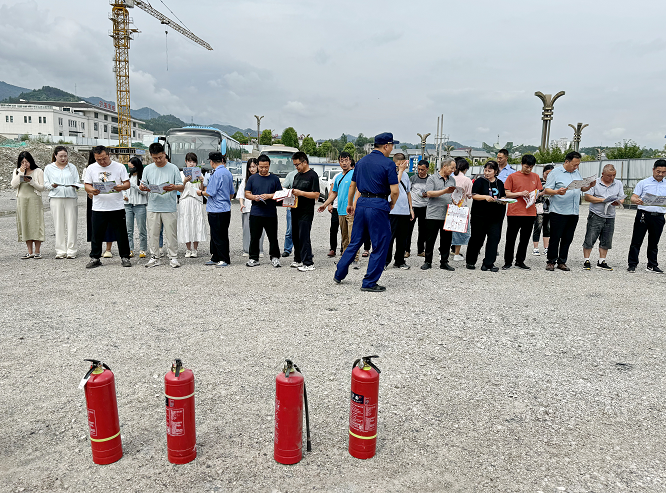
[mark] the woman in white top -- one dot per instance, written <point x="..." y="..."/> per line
<point x="465" y="182"/>
<point x="191" y="228"/>
<point x="61" y="179"/>
<point x="28" y="180"/>
<point x="246" y="207"/>
<point x="136" y="201"/>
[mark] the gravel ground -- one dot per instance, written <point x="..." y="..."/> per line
<point x="514" y="381"/>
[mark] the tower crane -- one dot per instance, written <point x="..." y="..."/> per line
<point x="122" y="34"/>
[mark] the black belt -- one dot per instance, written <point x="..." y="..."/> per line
<point x="374" y="195"/>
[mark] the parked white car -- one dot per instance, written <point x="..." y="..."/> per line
<point x="326" y="182"/>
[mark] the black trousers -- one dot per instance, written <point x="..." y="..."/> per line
<point x="653" y="225"/>
<point x="562" y="229"/>
<point x="399" y="231"/>
<point x="259" y="224"/>
<point x="419" y="215"/>
<point x="115" y="220"/>
<point x="219" y="236"/>
<point x="514" y="225"/>
<point x="335" y="226"/>
<point x="484" y="230"/>
<point x="301" y="225"/>
<point x="434" y="227"/>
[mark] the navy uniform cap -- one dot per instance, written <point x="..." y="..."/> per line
<point x="385" y="138"/>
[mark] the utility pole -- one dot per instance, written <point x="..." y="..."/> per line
<point x="548" y="101"/>
<point x="578" y="130"/>
<point x="423" y="144"/>
<point x="258" y="129"/>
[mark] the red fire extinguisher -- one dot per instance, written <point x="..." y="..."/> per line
<point x="100" y="389"/>
<point x="181" y="432"/>
<point x="363" y="408"/>
<point x="290" y="396"/>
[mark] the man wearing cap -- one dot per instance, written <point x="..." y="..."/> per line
<point x="375" y="179"/>
<point x="219" y="191"/>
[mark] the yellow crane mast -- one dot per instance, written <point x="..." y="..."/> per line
<point x="122" y="35"/>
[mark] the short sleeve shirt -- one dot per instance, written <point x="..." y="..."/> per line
<point x="569" y="203"/>
<point x="418" y="189"/>
<point x="154" y="175"/>
<point x="375" y="173"/>
<point x="520" y="182"/>
<point x="259" y="185"/>
<point x="115" y="171"/>
<point x="220" y="188"/>
<point x="401" y="207"/>
<point x="306" y="182"/>
<point x="437" y="206"/>
<point x="491" y="211"/>
<point x="341" y="185"/>
<point x="650" y="185"/>
<point x="604" y="191"/>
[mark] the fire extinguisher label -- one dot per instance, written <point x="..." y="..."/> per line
<point x="358" y="399"/>
<point x="363" y="414"/>
<point x="92" y="422"/>
<point x="175" y="422"/>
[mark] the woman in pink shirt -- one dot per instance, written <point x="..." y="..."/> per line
<point x="465" y="182"/>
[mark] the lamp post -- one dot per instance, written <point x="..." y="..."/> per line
<point x="258" y="129"/>
<point x="423" y="144"/>
<point x="578" y="130"/>
<point x="548" y="101"/>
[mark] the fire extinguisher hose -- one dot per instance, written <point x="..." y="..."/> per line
<point x="307" y="414"/>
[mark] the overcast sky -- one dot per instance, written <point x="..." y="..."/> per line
<point x="327" y="67"/>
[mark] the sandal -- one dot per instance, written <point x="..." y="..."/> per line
<point x="366" y="253"/>
<point x="38" y="255"/>
<point x="27" y="256"/>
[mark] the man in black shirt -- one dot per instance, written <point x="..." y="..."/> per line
<point x="306" y="190"/>
<point x="260" y="188"/>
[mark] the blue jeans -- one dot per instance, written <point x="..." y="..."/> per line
<point x="288" y="243"/>
<point x="137" y="212"/>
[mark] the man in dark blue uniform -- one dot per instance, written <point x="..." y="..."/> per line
<point x="375" y="180"/>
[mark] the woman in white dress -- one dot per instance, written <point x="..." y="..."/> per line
<point x="246" y="207"/>
<point x="191" y="213"/>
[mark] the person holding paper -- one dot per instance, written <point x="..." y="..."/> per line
<point x="136" y="201"/>
<point x="542" y="221"/>
<point x="191" y="227"/>
<point x="564" y="208"/>
<point x="61" y="179"/>
<point x="28" y="180"/>
<point x="306" y="190"/>
<point x="523" y="186"/>
<point x="259" y="191"/>
<point x="486" y="218"/>
<point x="439" y="189"/>
<point x="288" y="242"/>
<point x="401" y="215"/>
<point x="419" y="206"/>
<point x="107" y="209"/>
<point x="649" y="219"/>
<point x="603" y="197"/>
<point x="161" y="210"/>
<point x="246" y="208"/>
<point x="463" y="181"/>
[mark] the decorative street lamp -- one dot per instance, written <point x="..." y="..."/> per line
<point x="423" y="144"/>
<point x="258" y="129"/>
<point x="547" y="115"/>
<point x="578" y="130"/>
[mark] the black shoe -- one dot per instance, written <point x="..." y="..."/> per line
<point x="375" y="289"/>
<point x="631" y="269"/>
<point x="523" y="266"/>
<point x="492" y="268"/>
<point x="94" y="262"/>
<point x="604" y="266"/>
<point x="446" y="266"/>
<point x="426" y="266"/>
<point x="654" y="269"/>
<point x="587" y="265"/>
<point x="506" y="266"/>
<point x="286" y="254"/>
<point x="471" y="266"/>
<point x="125" y="262"/>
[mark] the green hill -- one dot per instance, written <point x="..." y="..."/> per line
<point x="46" y="93"/>
<point x="163" y="123"/>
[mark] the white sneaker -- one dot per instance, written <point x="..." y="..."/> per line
<point x="222" y="263"/>
<point x="261" y="255"/>
<point x="245" y="254"/>
<point x="188" y="254"/>
<point x="276" y="262"/>
<point x="296" y="265"/>
<point x="60" y="255"/>
<point x="153" y="262"/>
<point x="458" y="257"/>
<point x="536" y="252"/>
<point x="174" y="263"/>
<point x="252" y="263"/>
<point x="107" y="254"/>
<point x="306" y="268"/>
<point x="545" y="251"/>
<point x="161" y="254"/>
<point x="194" y="254"/>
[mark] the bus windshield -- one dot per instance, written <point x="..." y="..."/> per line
<point x="281" y="163"/>
<point x="201" y="145"/>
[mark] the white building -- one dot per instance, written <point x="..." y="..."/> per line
<point x="60" y="119"/>
<point x="562" y="143"/>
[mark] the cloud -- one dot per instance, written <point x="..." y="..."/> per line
<point x="321" y="56"/>
<point x="482" y="130"/>
<point x="615" y="133"/>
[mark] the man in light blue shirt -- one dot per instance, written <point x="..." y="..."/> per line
<point x="161" y="209"/>
<point x="401" y="215"/>
<point x="505" y="168"/>
<point x="219" y="191"/>
<point x="564" y="205"/>
<point x="649" y="219"/>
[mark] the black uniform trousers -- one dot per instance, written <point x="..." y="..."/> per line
<point x="434" y="227"/>
<point x="115" y="220"/>
<point x="335" y="226"/>
<point x="514" y="225"/>
<point x="301" y="225"/>
<point x="399" y="230"/>
<point x="486" y="230"/>
<point x="259" y="224"/>
<point x="219" y="236"/>
<point x="562" y="229"/>
<point x="419" y="215"/>
<point x="653" y="225"/>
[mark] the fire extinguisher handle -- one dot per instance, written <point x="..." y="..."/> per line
<point x="367" y="360"/>
<point x="95" y="364"/>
